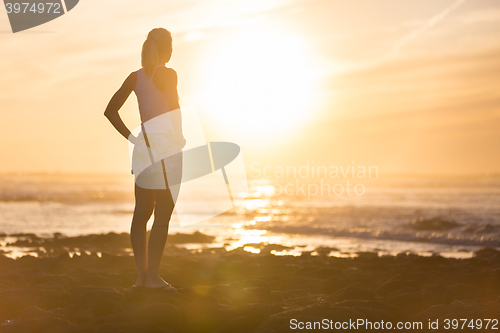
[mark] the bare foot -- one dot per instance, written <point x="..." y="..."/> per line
<point x="155" y="282"/>
<point x="139" y="282"/>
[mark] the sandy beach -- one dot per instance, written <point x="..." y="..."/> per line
<point x="238" y="291"/>
<point x="298" y="166"/>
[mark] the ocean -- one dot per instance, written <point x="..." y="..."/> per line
<point x="425" y="215"/>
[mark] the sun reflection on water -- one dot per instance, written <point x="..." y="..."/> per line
<point x="252" y="236"/>
<point x="254" y="204"/>
<point x="263" y="190"/>
<point x="294" y="253"/>
<point x="251" y="249"/>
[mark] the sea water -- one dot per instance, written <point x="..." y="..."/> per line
<point x="450" y="216"/>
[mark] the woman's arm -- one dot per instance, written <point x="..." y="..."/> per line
<point x="117" y="102"/>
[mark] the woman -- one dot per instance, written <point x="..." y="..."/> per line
<point x="156" y="88"/>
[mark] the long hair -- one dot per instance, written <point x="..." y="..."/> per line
<point x="156" y="48"/>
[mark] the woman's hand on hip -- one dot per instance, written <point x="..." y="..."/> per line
<point x="182" y="141"/>
<point x="133" y="139"/>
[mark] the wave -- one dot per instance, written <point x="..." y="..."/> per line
<point x="448" y="238"/>
<point x="67" y="196"/>
<point x="434" y="224"/>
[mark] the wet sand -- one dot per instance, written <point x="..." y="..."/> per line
<point x="237" y="291"/>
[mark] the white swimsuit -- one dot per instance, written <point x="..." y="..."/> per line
<point x="161" y="162"/>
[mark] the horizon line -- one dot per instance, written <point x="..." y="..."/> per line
<point x="122" y="174"/>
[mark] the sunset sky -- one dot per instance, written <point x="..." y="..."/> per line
<point x="409" y="86"/>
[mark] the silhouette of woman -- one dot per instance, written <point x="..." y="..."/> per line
<point x="156" y="88"/>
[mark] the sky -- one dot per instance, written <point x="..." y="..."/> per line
<point x="408" y="86"/>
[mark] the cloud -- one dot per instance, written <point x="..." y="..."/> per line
<point x="423" y="28"/>
<point x="480" y="16"/>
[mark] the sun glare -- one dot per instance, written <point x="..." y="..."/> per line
<point x="260" y="82"/>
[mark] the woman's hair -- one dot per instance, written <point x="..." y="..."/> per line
<point x="158" y="45"/>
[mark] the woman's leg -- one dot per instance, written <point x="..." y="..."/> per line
<point x="164" y="207"/>
<point x="144" y="204"/>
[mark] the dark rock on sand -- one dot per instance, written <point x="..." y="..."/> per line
<point x="436" y="294"/>
<point x="41" y="324"/>
<point x="13" y="301"/>
<point x="333" y="285"/>
<point x="238" y="324"/>
<point x="236" y="291"/>
<point x="355" y="292"/>
<point x="410" y="302"/>
<point x="487" y="253"/>
<point x="393" y="286"/>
